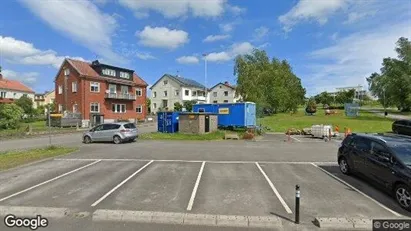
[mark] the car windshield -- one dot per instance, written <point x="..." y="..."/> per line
<point x="403" y="152"/>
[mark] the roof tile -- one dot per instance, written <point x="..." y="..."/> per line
<point x="14" y="85"/>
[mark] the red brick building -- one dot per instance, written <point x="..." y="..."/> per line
<point x="100" y="92"/>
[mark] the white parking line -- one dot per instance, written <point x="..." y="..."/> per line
<point x="210" y="161"/>
<point x="193" y="194"/>
<point x="48" y="181"/>
<point x="298" y="140"/>
<point x="357" y="190"/>
<point x="274" y="189"/>
<point x="119" y="185"/>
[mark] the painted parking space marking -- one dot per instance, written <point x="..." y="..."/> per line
<point x="357" y="190"/>
<point x="193" y="194"/>
<point x="274" y="189"/>
<point x="48" y="181"/>
<point x="294" y="138"/>
<point x="119" y="185"/>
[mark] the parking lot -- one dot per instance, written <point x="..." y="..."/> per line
<point x="104" y="182"/>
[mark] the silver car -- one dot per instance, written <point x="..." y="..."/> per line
<point x="111" y="132"/>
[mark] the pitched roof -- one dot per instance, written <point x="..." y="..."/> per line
<point x="225" y="84"/>
<point x="182" y="81"/>
<point x="84" y="68"/>
<point x="14" y="85"/>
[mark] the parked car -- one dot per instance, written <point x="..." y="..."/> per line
<point x="402" y="127"/>
<point x="385" y="159"/>
<point x="111" y="132"/>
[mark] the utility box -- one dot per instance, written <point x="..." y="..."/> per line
<point x="242" y="115"/>
<point x="197" y="123"/>
<point x="167" y="122"/>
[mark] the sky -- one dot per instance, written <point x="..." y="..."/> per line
<point x="329" y="43"/>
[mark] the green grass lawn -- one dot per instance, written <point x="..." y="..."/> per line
<point x="366" y="122"/>
<point x="37" y="126"/>
<point x="12" y="159"/>
<point x="219" y="135"/>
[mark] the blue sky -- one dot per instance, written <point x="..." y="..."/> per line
<point x="329" y="43"/>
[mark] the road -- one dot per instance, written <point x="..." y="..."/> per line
<point x="156" y="185"/>
<point x="72" y="139"/>
<point x="380" y="112"/>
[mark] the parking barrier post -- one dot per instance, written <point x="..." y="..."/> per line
<point x="297" y="204"/>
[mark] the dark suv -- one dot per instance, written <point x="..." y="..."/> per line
<point x="386" y="159"/>
<point x="402" y="127"/>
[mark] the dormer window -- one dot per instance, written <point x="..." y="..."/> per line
<point x="109" y="72"/>
<point x="124" y="75"/>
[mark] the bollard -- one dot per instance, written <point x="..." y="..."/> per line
<point x="289" y="136"/>
<point x="297" y="204"/>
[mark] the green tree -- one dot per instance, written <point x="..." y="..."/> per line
<point x="324" y="98"/>
<point x="188" y="105"/>
<point x="26" y="104"/>
<point x="311" y="106"/>
<point x="178" y="106"/>
<point x="10" y="116"/>
<point x="392" y="85"/>
<point x="269" y="83"/>
<point x="343" y="97"/>
<point x="148" y="105"/>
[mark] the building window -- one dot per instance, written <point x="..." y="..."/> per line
<point x="112" y="88"/>
<point x="60" y="108"/>
<point x="154" y="94"/>
<point x="139" y="109"/>
<point x="215" y="94"/>
<point x="177" y="92"/>
<point x="109" y="72"/>
<point x="74" y="87"/>
<point x="154" y="105"/>
<point x="165" y="82"/>
<point x="187" y="92"/>
<point x="165" y="93"/>
<point x="215" y="101"/>
<point x="139" y="92"/>
<point x="124" y="75"/>
<point x="66" y="72"/>
<point x="60" y="90"/>
<point x="194" y="93"/>
<point x="225" y="101"/>
<point x="226" y="93"/>
<point x="75" y="108"/>
<point x="118" y="108"/>
<point x="124" y="90"/>
<point x="94" y="87"/>
<point x="3" y="94"/>
<point x="94" y="107"/>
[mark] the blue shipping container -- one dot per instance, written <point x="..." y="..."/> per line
<point x="231" y="114"/>
<point x="167" y="122"/>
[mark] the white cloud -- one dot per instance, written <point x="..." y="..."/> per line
<point x="353" y="58"/>
<point x="227" y="27"/>
<point x="357" y="16"/>
<point x="81" y="21"/>
<point x="21" y="52"/>
<point x="144" y="55"/>
<point x="214" y="38"/>
<point x="236" y="10"/>
<point x="188" y="60"/>
<point x="162" y="37"/>
<point x="306" y="10"/>
<point x="175" y="9"/>
<point x="232" y="52"/>
<point x="260" y="32"/>
<point x="334" y="36"/>
<point x="28" y="78"/>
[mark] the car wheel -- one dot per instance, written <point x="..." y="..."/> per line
<point x="87" y="140"/>
<point x="402" y="195"/>
<point x="117" y="139"/>
<point x="344" y="167"/>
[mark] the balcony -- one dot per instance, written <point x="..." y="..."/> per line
<point x="120" y="96"/>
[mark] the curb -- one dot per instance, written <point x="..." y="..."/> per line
<point x="344" y="223"/>
<point x="187" y="219"/>
<point x="47" y="212"/>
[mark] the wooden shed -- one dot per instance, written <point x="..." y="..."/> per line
<point x="197" y="123"/>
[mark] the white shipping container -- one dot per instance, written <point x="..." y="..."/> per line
<point x="321" y="131"/>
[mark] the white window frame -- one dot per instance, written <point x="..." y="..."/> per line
<point x="187" y="92"/>
<point x="165" y="82"/>
<point x="215" y="101"/>
<point x="66" y="71"/>
<point x="225" y="101"/>
<point x="110" y="87"/>
<point x="124" y="75"/>
<point x="154" y="94"/>
<point x="74" y="87"/>
<point x="75" y="106"/>
<point x="3" y="94"/>
<point x="118" y="106"/>
<point x="109" y="72"/>
<point x="139" y="92"/>
<point x="215" y="94"/>
<point x="96" y="85"/>
<point x="165" y="94"/>
<point x="228" y="93"/>
<point x="124" y="90"/>
<point x="60" y="108"/>
<point x="141" y="109"/>
<point x="94" y="104"/>
<point x="177" y="93"/>
<point x="60" y="89"/>
<point x="154" y="105"/>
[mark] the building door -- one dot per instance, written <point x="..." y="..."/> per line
<point x="97" y="119"/>
<point x="207" y="124"/>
